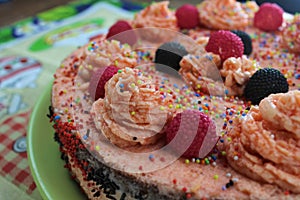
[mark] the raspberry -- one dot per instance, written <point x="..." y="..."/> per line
<point x="192" y="134"/>
<point x="263" y="83"/>
<point x="120" y="26"/>
<point x="169" y="54"/>
<point x="187" y="16"/>
<point x="99" y="79"/>
<point x="246" y="39"/>
<point x="225" y="44"/>
<point x="269" y="17"/>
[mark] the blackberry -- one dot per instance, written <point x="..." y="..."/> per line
<point x="263" y="83"/>
<point x="169" y="54"/>
<point x="246" y="39"/>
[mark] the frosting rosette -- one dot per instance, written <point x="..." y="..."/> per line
<point x="236" y="72"/>
<point x="201" y="71"/>
<point x="156" y="17"/>
<point x="101" y="53"/>
<point x="132" y="111"/>
<point x="223" y="14"/>
<point x="205" y="73"/>
<point x="264" y="145"/>
<point x="291" y="34"/>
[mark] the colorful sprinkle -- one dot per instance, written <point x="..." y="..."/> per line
<point x="216" y="176"/>
<point x="57" y="117"/>
<point x="151" y="157"/>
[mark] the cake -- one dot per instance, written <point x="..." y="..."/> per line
<point x="209" y="109"/>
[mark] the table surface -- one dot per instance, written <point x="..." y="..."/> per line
<point x="14" y="10"/>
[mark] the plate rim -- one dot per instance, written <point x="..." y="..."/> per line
<point x="30" y="152"/>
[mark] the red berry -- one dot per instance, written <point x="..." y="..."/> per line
<point x="127" y="36"/>
<point x="187" y="16"/>
<point x="99" y="79"/>
<point x="226" y="44"/>
<point x="192" y="134"/>
<point x="269" y="17"/>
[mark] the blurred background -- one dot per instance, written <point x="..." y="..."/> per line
<point x="14" y="10"/>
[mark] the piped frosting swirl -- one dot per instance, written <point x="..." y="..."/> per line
<point x="157" y="16"/>
<point x="265" y="145"/>
<point x="102" y="53"/>
<point x="223" y="14"/>
<point x="133" y="110"/>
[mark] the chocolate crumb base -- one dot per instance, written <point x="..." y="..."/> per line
<point x="98" y="180"/>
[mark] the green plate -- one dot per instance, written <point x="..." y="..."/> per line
<point x="52" y="179"/>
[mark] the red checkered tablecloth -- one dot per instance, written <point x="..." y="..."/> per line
<point x="14" y="165"/>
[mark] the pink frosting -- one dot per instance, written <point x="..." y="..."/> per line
<point x="223" y="14"/>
